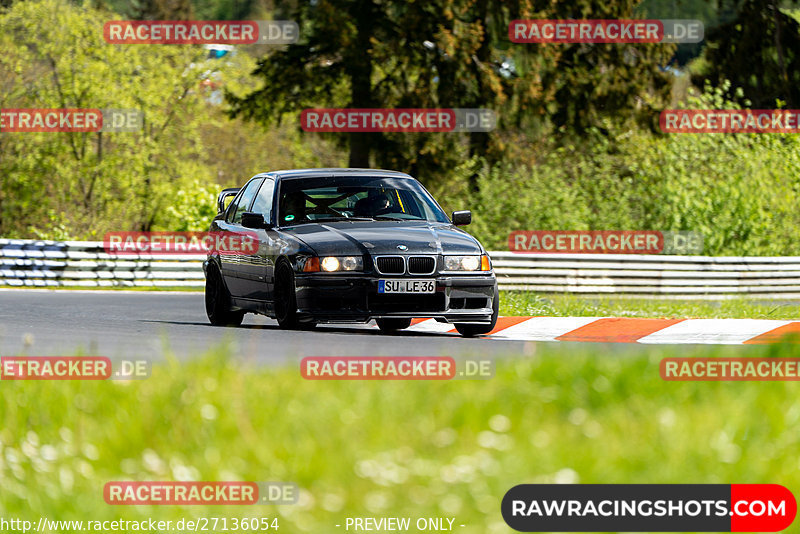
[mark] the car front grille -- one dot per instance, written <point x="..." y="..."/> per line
<point x="390" y="264"/>
<point x="421" y="264"/>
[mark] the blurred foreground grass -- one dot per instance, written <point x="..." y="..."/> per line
<point x="569" y="413"/>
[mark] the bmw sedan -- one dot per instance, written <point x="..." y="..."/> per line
<point x="348" y="246"/>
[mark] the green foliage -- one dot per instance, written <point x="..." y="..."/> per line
<point x="453" y="54"/>
<point x="740" y="191"/>
<point x="81" y="185"/>
<point x="758" y="50"/>
<point x="600" y="170"/>
<point x="94" y="180"/>
<point x="192" y="208"/>
<point x="153" y="9"/>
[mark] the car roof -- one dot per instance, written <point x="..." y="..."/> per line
<point x="314" y="173"/>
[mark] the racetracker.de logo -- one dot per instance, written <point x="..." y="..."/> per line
<point x="649" y="508"/>
<point x="396" y="368"/>
<point x="199" y="493"/>
<point x="378" y="368"/>
<point x="605" y="31"/>
<point x="201" y="32"/>
<point x="733" y="369"/>
<point x="132" y="243"/>
<point x="70" y="120"/>
<point x="605" y="242"/>
<point x="72" y="368"/>
<point x="730" y="121"/>
<point x="398" y="120"/>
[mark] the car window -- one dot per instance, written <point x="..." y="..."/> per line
<point x="309" y="200"/>
<point x="263" y="203"/>
<point x="244" y="200"/>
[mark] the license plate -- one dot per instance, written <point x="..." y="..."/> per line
<point x="406" y="286"/>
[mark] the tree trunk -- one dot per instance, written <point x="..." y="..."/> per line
<point x="779" y="49"/>
<point x="359" y="150"/>
<point x="360" y="71"/>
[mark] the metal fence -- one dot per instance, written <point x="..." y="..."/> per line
<point x="86" y="264"/>
<point x="679" y="277"/>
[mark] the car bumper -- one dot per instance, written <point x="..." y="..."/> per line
<point x="345" y="298"/>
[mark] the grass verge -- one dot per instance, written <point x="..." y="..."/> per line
<point x="526" y="303"/>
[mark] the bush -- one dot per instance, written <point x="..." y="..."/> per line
<point x="739" y="190"/>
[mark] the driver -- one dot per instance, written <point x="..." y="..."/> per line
<point x="375" y="203"/>
<point x="379" y="203"/>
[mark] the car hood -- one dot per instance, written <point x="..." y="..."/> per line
<point x="384" y="237"/>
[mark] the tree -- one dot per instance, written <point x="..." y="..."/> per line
<point x="365" y="54"/>
<point x="450" y="54"/>
<point x="759" y="51"/>
<point x="54" y="56"/>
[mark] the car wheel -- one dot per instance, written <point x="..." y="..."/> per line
<point x="218" y="301"/>
<point x="392" y="325"/>
<point x="472" y="330"/>
<point x="285" y="297"/>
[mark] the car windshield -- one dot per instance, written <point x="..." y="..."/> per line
<point x="304" y="200"/>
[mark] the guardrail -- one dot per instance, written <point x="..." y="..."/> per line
<point x="86" y="264"/>
<point x="644" y="275"/>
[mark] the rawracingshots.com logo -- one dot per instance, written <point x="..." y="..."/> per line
<point x="649" y="508"/>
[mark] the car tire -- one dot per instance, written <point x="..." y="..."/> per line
<point x="286" y="298"/>
<point x="392" y="325"/>
<point x="472" y="330"/>
<point x="218" y="301"/>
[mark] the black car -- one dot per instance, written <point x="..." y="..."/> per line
<point x="347" y="246"/>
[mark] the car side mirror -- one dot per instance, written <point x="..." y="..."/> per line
<point x="224" y="195"/>
<point x="254" y="220"/>
<point x="462" y="218"/>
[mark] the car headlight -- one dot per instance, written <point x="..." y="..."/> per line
<point x="332" y="264"/>
<point x="452" y="263"/>
<point x="470" y="263"/>
<point x="467" y="263"/>
<point x="351" y="263"/>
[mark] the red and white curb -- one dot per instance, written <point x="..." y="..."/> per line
<point x="628" y="330"/>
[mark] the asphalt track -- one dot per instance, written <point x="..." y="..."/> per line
<point x="151" y="325"/>
<point x="121" y="324"/>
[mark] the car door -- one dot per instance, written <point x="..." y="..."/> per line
<point x="234" y="264"/>
<point x="259" y="267"/>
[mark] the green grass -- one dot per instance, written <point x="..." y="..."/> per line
<point x="525" y="303"/>
<point x="564" y="414"/>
